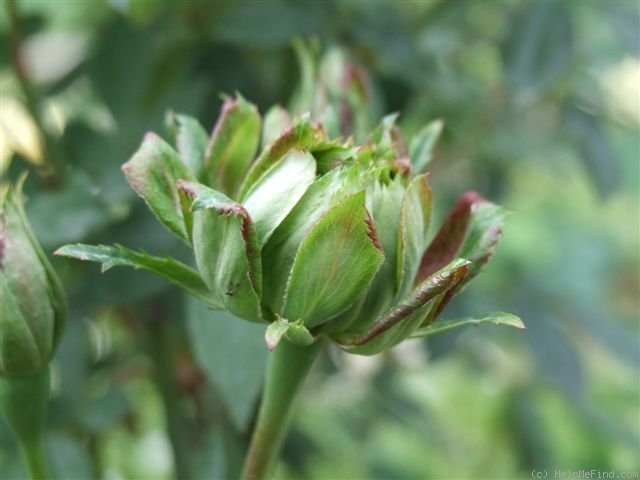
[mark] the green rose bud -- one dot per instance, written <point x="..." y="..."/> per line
<point x="315" y="237"/>
<point x="33" y="314"/>
<point x="33" y="302"/>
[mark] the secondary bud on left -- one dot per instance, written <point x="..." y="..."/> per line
<point x="33" y="304"/>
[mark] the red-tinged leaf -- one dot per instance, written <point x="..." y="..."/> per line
<point x="389" y="329"/>
<point x="226" y="249"/>
<point x="153" y="172"/>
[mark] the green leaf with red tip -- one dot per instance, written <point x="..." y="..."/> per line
<point x="191" y="140"/>
<point x="174" y="271"/>
<point x="493" y="318"/>
<point x="335" y="264"/>
<point x="471" y="230"/>
<point x="226" y="249"/>
<point x="233" y="144"/>
<point x="153" y="172"/>
<point x="275" y="194"/>
<point x="421" y="147"/>
<point x="401" y="320"/>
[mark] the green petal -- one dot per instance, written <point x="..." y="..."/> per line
<point x="415" y="217"/>
<point x="421" y="148"/>
<point x="273" y="196"/>
<point x="112" y="256"/>
<point x="276" y="121"/>
<point x="301" y="135"/>
<point x="232" y="146"/>
<point x="334" y="265"/>
<point x="493" y="318"/>
<point x="226" y="250"/>
<point x="401" y="321"/>
<point x="153" y="172"/>
<point x="191" y="141"/>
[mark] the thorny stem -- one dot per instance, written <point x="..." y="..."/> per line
<point x="287" y="368"/>
<point x="52" y="156"/>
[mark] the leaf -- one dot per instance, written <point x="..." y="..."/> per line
<point x="191" y="141"/>
<point x="274" y="195"/>
<point x="232" y="146"/>
<point x="168" y="268"/>
<point x="594" y="150"/>
<point x="422" y="143"/>
<point x="335" y="263"/>
<point x="153" y="172"/>
<point x="226" y="250"/>
<point x="401" y="320"/>
<point x="493" y="318"/>
<point x="538" y="47"/>
<point x="471" y="230"/>
<point x="232" y="354"/>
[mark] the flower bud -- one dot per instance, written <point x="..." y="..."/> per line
<point x="33" y="302"/>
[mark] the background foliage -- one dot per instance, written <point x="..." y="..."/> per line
<point x="542" y="112"/>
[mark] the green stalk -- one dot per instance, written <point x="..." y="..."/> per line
<point x="24" y="405"/>
<point x="287" y="368"/>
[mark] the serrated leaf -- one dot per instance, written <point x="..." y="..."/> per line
<point x="493" y="318"/>
<point x="232" y="146"/>
<point x="401" y="320"/>
<point x="174" y="271"/>
<point x="226" y="249"/>
<point x="191" y="142"/>
<point x="421" y="148"/>
<point x="273" y="196"/>
<point x="335" y="263"/>
<point x="153" y="172"/>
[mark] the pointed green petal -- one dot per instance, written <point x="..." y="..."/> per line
<point x="404" y="318"/>
<point x="335" y="263"/>
<point x="191" y="140"/>
<point x="276" y="121"/>
<point x="153" y="172"/>
<point x="273" y="196"/>
<point x="226" y="249"/>
<point x="493" y="318"/>
<point x="114" y="256"/>
<point x="301" y="135"/>
<point x="420" y="151"/>
<point x="232" y="146"/>
<point x="415" y="217"/>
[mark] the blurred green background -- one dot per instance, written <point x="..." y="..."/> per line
<point x="541" y="104"/>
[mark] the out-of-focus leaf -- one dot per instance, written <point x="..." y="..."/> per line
<point x="595" y="151"/>
<point x="276" y="121"/>
<point x="67" y="458"/>
<point x="493" y="318"/>
<point x="625" y="19"/>
<point x="174" y="271"/>
<point x="233" y="355"/>
<point x="68" y="214"/>
<point x="538" y="46"/>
